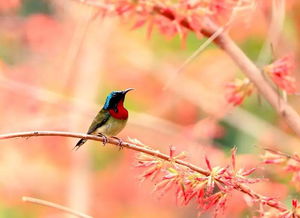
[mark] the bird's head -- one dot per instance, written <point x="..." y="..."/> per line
<point x="114" y="98"/>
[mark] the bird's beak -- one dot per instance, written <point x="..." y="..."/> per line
<point x="127" y="90"/>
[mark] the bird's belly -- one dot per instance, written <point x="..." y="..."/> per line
<point x="112" y="127"/>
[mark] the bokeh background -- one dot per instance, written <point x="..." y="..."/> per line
<point x="59" y="60"/>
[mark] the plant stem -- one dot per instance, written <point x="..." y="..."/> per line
<point x="254" y="74"/>
<point x="54" y="205"/>
<point x="146" y="150"/>
<point x="223" y="41"/>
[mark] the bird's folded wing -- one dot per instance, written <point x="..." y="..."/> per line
<point x="101" y="119"/>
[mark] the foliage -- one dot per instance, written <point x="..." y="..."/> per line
<point x="58" y="61"/>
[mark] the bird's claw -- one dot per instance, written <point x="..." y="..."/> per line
<point x="105" y="139"/>
<point x="120" y="142"/>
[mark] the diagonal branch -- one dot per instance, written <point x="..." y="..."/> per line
<point x="54" y="205"/>
<point x="250" y="70"/>
<point x="223" y="41"/>
<point x="254" y="74"/>
<point x="147" y="150"/>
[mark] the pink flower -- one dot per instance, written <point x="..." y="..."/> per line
<point x="238" y="90"/>
<point x="292" y="163"/>
<point x="292" y="213"/>
<point x="280" y="72"/>
<point x="219" y="200"/>
<point x="273" y="157"/>
<point x="172" y="17"/>
<point x="210" y="188"/>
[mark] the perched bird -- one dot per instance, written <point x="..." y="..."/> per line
<point x="111" y="119"/>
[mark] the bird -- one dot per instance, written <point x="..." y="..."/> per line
<point x="110" y="120"/>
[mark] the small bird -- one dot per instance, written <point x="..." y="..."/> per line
<point x="111" y="119"/>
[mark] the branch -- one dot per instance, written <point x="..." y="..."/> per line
<point x="146" y="150"/>
<point x="209" y="29"/>
<point x="254" y="74"/>
<point x="101" y="139"/>
<point x="54" y="205"/>
<point x="248" y="67"/>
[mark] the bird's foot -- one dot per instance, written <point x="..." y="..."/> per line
<point x="120" y="142"/>
<point x="105" y="139"/>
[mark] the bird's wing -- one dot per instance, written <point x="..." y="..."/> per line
<point x="101" y="118"/>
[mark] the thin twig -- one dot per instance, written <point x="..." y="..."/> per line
<point x="294" y="157"/>
<point x="269" y="47"/>
<point x="54" y="205"/>
<point x="191" y="58"/>
<point x="146" y="150"/>
<point x="205" y="44"/>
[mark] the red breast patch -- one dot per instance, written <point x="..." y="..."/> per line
<point x="122" y="113"/>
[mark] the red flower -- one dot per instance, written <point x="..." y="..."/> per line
<point x="280" y="72"/>
<point x="292" y="163"/>
<point x="238" y="90"/>
<point x="292" y="213"/>
<point x="210" y="188"/>
<point x="273" y="157"/>
<point x="172" y="17"/>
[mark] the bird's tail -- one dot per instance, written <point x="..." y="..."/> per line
<point x="79" y="143"/>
